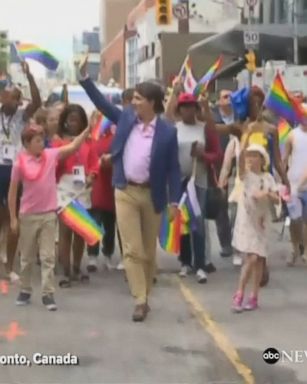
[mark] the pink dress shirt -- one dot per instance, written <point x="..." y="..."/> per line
<point x="137" y="152"/>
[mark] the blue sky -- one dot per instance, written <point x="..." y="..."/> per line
<point x="49" y="23"/>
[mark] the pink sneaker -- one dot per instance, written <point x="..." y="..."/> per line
<point x="251" y="304"/>
<point x="237" y="303"/>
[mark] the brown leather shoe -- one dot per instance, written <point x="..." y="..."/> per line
<point x="140" y="313"/>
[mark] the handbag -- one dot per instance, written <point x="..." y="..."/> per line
<point x="236" y="193"/>
<point x="213" y="199"/>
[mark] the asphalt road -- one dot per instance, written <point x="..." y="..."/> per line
<point x="190" y="335"/>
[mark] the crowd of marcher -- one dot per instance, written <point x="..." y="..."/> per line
<point x="139" y="167"/>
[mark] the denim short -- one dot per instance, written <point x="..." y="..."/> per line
<point x="297" y="206"/>
<point x="5" y="178"/>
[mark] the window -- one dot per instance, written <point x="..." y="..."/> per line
<point x="133" y="56"/>
<point x="153" y="49"/>
<point x="158" y="68"/>
<point x="272" y="12"/>
<point x="261" y="14"/>
<point x="116" y="72"/>
<point x="283" y="11"/>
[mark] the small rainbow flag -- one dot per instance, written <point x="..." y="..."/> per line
<point x="185" y="220"/>
<point x="282" y="104"/>
<point x="102" y="125"/>
<point x="283" y="128"/>
<point x="207" y="78"/>
<point x="76" y="217"/>
<point x="170" y="233"/>
<point x="34" y="52"/>
<point x="187" y="75"/>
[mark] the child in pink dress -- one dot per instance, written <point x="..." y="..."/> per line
<point x="35" y="169"/>
<point x="252" y="221"/>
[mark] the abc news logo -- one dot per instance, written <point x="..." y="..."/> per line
<point x="272" y="356"/>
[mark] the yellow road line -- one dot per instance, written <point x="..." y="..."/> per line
<point x="217" y="334"/>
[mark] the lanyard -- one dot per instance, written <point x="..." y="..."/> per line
<point x="6" y="129"/>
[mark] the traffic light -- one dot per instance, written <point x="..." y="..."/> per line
<point x="163" y="12"/>
<point x="4" y="54"/>
<point x="3" y="40"/>
<point x="250" y="61"/>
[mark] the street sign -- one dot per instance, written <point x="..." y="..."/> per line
<point x="251" y="38"/>
<point x="251" y="9"/>
<point x="180" y="11"/>
<point x="251" y="3"/>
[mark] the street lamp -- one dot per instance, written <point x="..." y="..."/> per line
<point x="295" y="32"/>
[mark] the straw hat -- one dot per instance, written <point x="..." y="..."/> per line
<point x="260" y="149"/>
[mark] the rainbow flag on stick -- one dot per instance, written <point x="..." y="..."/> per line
<point x="34" y="52"/>
<point x="284" y="129"/>
<point x="76" y="217"/>
<point x="170" y="233"/>
<point x="187" y="76"/>
<point x="102" y="125"/>
<point x="282" y="104"/>
<point x="207" y="78"/>
<point x="186" y="221"/>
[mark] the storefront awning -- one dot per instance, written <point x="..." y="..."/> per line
<point x="231" y="43"/>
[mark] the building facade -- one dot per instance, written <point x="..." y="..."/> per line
<point x="89" y="42"/>
<point x="286" y="18"/>
<point x="162" y="58"/>
<point x="113" y="16"/>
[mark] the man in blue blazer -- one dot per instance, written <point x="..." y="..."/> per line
<point x="146" y="177"/>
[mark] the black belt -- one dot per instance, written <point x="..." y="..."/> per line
<point x="140" y="185"/>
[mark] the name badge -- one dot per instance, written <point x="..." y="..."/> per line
<point x="8" y="152"/>
<point x="79" y="174"/>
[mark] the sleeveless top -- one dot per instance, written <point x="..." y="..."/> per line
<point x="298" y="163"/>
<point x="187" y="135"/>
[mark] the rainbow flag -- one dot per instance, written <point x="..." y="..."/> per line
<point x="188" y="219"/>
<point x="34" y="52"/>
<point x="170" y="233"/>
<point x="76" y="217"/>
<point x="282" y="104"/>
<point x="102" y="125"/>
<point x="185" y="220"/>
<point x="207" y="78"/>
<point x="283" y="128"/>
<point x="189" y="81"/>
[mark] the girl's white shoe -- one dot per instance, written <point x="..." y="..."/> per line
<point x="14" y="278"/>
<point x="237" y="260"/>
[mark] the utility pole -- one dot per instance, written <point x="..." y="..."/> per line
<point x="184" y="23"/>
<point x="249" y="23"/>
<point x="295" y="33"/>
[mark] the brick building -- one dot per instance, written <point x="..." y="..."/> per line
<point x="144" y="50"/>
<point x="114" y="14"/>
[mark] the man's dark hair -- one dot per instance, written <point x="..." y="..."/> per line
<point x="152" y="92"/>
<point x="72" y="108"/>
<point x="127" y="95"/>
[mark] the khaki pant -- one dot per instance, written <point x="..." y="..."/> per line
<point x="139" y="226"/>
<point x="37" y="234"/>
